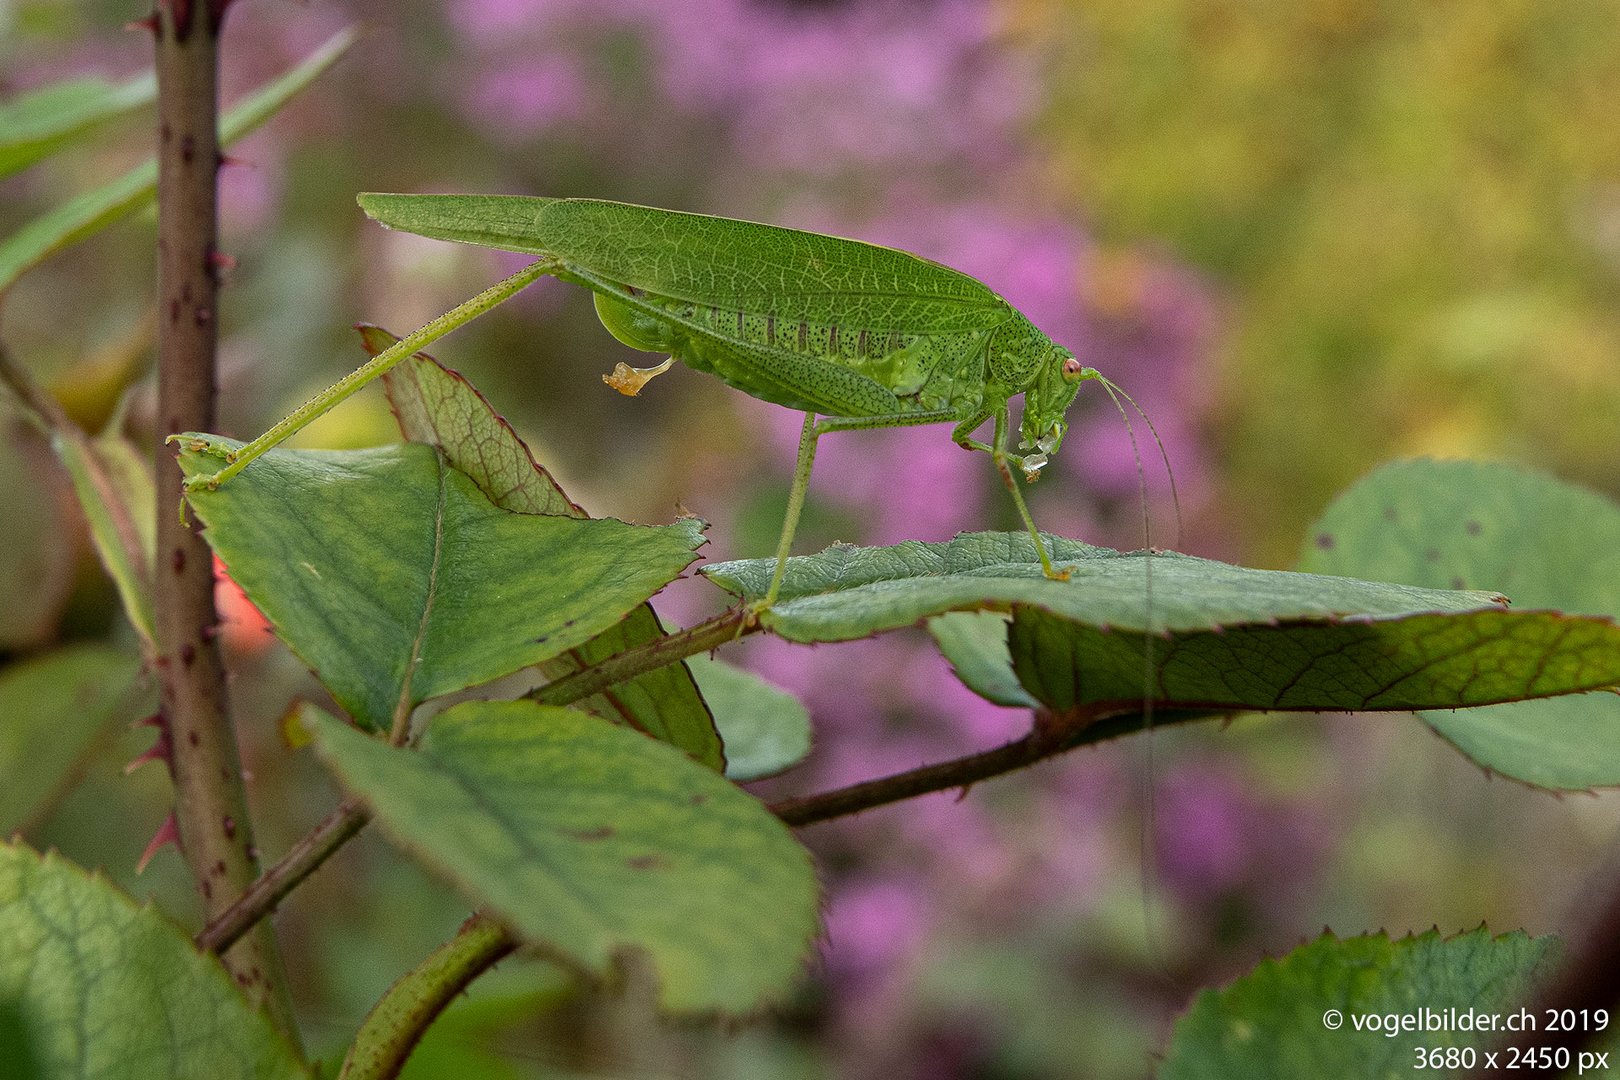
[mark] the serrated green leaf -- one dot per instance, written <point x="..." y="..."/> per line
<point x="109" y="990"/>
<point x="49" y="118"/>
<point x="1227" y="637"/>
<point x="396" y="580"/>
<point x="1278" y="1020"/>
<point x="975" y="642"/>
<point x="1392" y="661"/>
<point x="89" y="213"/>
<point x="436" y="405"/>
<point x="588" y="838"/>
<point x="850" y="592"/>
<point x="53" y="710"/>
<point x="113" y="483"/>
<point x="1544" y="543"/>
<point x="766" y="729"/>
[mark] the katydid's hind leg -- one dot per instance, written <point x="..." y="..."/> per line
<point x="790" y="521"/>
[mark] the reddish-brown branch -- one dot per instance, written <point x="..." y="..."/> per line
<point x="210" y="800"/>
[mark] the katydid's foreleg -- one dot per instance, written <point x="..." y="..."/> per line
<point x="998" y="454"/>
<point x="962" y="434"/>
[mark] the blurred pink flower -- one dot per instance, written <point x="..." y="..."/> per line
<point x="872" y="923"/>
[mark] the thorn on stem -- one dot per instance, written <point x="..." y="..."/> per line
<point x="168" y="833"/>
<point x="162" y="749"/>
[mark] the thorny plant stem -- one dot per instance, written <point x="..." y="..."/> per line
<point x="301" y="860"/>
<point x="400" y="1018"/>
<point x="703" y="637"/>
<point x="210" y="800"/>
<point x="959" y="772"/>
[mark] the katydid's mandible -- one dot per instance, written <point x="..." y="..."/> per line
<point x="852" y="334"/>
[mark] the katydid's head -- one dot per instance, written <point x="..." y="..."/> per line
<point x="1046" y="402"/>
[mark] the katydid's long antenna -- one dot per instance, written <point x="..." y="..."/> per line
<point x="1148" y="843"/>
<point x="1164" y="456"/>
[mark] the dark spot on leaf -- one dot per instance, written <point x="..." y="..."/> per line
<point x="542" y="639"/>
<point x="1389" y="513"/>
<point x="1433" y="554"/>
<point x="647" y="862"/>
<point x="1473" y="528"/>
<point x="1457" y="583"/>
<point x="1325" y="541"/>
<point x="602" y="833"/>
<point x="699" y="800"/>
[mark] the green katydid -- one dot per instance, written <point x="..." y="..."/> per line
<point x="854" y="335"/>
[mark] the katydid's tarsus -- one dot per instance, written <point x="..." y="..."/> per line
<point x="852" y="334"/>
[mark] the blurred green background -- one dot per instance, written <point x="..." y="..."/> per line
<point x="1307" y="238"/>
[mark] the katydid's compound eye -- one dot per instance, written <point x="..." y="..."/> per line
<point x="1072" y="369"/>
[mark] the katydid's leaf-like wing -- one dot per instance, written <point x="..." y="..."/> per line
<point x="589" y="839"/>
<point x="48" y="119"/>
<point x="729" y="264"/>
<point x="1306" y="1013"/>
<point x="103" y="988"/>
<point x="1544" y="543"/>
<point x="1223" y="637"/>
<point x="89" y="213"/>
<point x="396" y="579"/>
<point x="438" y="406"/>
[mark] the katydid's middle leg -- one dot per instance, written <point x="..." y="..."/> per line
<point x="813" y="430"/>
<point x="790" y="522"/>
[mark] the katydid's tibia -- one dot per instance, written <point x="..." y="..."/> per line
<point x="852" y="334"/>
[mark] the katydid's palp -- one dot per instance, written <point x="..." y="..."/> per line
<point x="852" y="334"/>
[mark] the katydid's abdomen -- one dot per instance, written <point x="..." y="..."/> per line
<point x="836" y="369"/>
